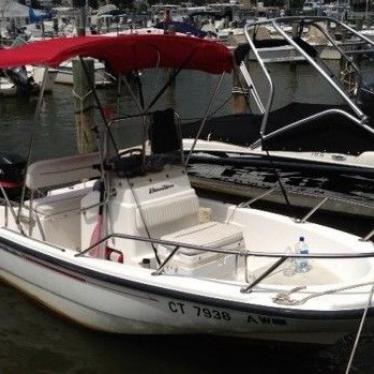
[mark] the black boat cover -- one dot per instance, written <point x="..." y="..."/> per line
<point x="333" y="134"/>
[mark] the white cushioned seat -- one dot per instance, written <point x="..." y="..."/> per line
<point x="59" y="203"/>
<point x="211" y="234"/>
<point x="166" y="210"/>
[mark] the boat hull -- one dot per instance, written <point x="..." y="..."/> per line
<point x="65" y="76"/>
<point x="109" y="304"/>
<point x="38" y="75"/>
<point x="307" y="181"/>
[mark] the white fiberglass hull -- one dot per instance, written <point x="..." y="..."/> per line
<point x="38" y="75"/>
<point x="7" y="88"/>
<point x="364" y="160"/>
<point x="287" y="53"/>
<point x="77" y="289"/>
<point x="65" y="76"/>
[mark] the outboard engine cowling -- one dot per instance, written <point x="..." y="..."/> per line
<point x="25" y="85"/>
<point x="12" y="174"/>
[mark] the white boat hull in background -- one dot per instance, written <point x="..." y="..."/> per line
<point x="7" y="88"/>
<point x="364" y="160"/>
<point x="65" y="75"/>
<point x="38" y="74"/>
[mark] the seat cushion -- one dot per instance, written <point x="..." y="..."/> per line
<point x="166" y="210"/>
<point x="211" y="234"/>
<point x="59" y="203"/>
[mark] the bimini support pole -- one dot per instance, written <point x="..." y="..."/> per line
<point x="100" y="107"/>
<point x="211" y="101"/>
<point x="28" y="160"/>
<point x="140" y="106"/>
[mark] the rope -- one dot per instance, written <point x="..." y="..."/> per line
<point x="280" y="299"/>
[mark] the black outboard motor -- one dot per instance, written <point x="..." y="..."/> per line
<point x="12" y="174"/>
<point x="25" y="85"/>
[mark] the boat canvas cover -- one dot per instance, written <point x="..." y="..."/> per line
<point x="334" y="134"/>
<point x="125" y="53"/>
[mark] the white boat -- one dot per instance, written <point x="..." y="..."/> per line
<point x="65" y="74"/>
<point x="136" y="251"/>
<point x="7" y="87"/>
<point x="299" y="132"/>
<point x="37" y="73"/>
<point x="17" y="82"/>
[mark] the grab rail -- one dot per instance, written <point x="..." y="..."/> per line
<point x="309" y="119"/>
<point x="281" y="257"/>
<point x="361" y="121"/>
<point x="313" y="210"/>
<point x="142" y="114"/>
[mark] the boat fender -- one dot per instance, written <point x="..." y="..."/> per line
<point x="113" y="255"/>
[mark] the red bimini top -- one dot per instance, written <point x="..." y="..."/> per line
<point x="125" y="53"/>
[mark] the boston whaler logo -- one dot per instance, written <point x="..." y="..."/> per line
<point x="161" y="188"/>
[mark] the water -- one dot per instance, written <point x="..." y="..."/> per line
<point x="32" y="340"/>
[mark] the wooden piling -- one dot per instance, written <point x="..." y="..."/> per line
<point x="239" y="104"/>
<point x="84" y="105"/>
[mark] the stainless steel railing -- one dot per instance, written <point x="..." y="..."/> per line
<point x="361" y="118"/>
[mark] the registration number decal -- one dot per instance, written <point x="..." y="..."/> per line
<point x="198" y="311"/>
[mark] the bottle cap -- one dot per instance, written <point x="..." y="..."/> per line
<point x="302" y="238"/>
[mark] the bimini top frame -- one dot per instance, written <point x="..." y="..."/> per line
<point x="359" y="118"/>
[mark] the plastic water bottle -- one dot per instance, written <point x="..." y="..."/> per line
<point x="302" y="248"/>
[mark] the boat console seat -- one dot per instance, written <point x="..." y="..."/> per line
<point x="214" y="235"/>
<point x="63" y="171"/>
<point x="55" y="204"/>
<point x="58" y="217"/>
<point x="180" y="211"/>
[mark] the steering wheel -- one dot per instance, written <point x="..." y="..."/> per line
<point x="131" y="151"/>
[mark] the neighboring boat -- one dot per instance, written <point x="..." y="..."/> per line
<point x="332" y="145"/>
<point x="7" y="87"/>
<point x="320" y="140"/>
<point x="65" y="74"/>
<point x="16" y="82"/>
<point x="135" y="250"/>
<point x="307" y="183"/>
<point x="37" y="73"/>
